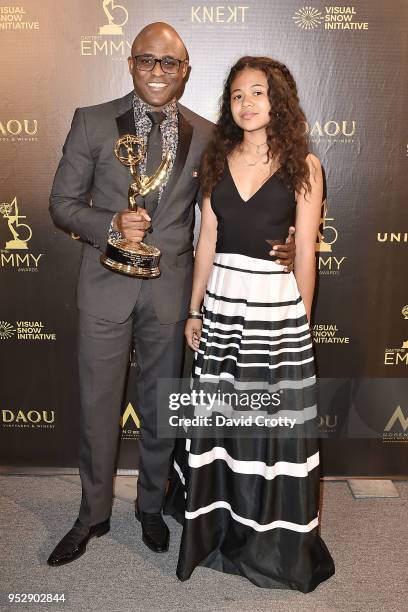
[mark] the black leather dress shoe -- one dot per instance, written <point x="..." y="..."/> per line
<point x="155" y="533"/>
<point x="73" y="544"/>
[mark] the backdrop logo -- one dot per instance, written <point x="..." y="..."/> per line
<point x="334" y="18"/>
<point x="19" y="130"/>
<point x="396" y="356"/>
<point x="328" y="334"/>
<point x="19" y="236"/>
<point x="129" y="423"/>
<point x="15" y="18"/>
<point x="25" y="330"/>
<point x="331" y="131"/>
<point x="117" y="16"/>
<point x="326" y="236"/>
<point x="397" y="237"/>
<point x="214" y="14"/>
<point x="327" y="423"/>
<point x="396" y="428"/>
<point x="7" y="330"/>
<point x="31" y="419"/>
<point x="10" y="213"/>
<point x="308" y="18"/>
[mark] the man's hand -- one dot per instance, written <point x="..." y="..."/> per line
<point x="132" y="225"/>
<point x="285" y="253"/>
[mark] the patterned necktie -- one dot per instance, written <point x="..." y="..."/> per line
<point x="154" y="157"/>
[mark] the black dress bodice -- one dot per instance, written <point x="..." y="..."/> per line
<point x="244" y="226"/>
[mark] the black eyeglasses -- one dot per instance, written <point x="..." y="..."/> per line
<point x="147" y="63"/>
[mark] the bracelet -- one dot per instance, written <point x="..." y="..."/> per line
<point x="194" y="312"/>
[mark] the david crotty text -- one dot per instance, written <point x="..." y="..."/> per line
<point x="222" y="421"/>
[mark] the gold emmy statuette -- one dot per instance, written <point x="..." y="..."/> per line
<point x="324" y="244"/>
<point x="125" y="256"/>
<point x="10" y="213"/>
<point x="113" y="11"/>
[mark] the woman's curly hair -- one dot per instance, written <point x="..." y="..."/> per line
<point x="286" y="135"/>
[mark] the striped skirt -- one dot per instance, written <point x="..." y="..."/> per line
<point x="247" y="494"/>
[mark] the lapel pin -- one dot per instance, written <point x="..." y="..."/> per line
<point x="194" y="173"/>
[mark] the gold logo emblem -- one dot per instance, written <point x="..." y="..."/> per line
<point x="404" y="311"/>
<point x="21" y="232"/>
<point x="117" y="16"/>
<point x="327" y="234"/>
<point x="397" y="415"/>
<point x="6" y="330"/>
<point x="129" y="413"/>
<point x="308" y="18"/>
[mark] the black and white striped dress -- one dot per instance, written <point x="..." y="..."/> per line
<point x="248" y="497"/>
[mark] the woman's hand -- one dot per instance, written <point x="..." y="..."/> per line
<point x="192" y="332"/>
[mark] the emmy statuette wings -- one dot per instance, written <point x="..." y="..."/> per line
<point x="125" y="256"/>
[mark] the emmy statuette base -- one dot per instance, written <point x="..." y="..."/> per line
<point x="16" y="244"/>
<point x="133" y="259"/>
<point x="129" y="270"/>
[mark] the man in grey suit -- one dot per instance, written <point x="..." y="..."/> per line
<point x="116" y="312"/>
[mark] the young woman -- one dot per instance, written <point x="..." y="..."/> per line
<point x="249" y="504"/>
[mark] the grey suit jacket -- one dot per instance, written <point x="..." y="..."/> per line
<point x="91" y="185"/>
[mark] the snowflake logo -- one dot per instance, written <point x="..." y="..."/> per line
<point x="308" y="18"/>
<point x="6" y="330"/>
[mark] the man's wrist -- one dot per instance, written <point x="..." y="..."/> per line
<point x="114" y="233"/>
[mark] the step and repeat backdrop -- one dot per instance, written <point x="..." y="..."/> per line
<point x="350" y="63"/>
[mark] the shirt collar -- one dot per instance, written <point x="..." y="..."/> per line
<point x="141" y="108"/>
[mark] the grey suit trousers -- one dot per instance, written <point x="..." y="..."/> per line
<point x="104" y="349"/>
